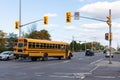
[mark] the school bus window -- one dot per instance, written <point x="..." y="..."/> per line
<point x="25" y="40"/>
<point x="33" y="45"/>
<point x="62" y="47"/>
<point x="59" y="46"/>
<point x="16" y="40"/>
<point x="48" y="46"/>
<point x="20" y="44"/>
<point x="37" y="45"/>
<point x="45" y="45"/>
<point x="30" y="45"/>
<point x="25" y="44"/>
<point x="15" y="44"/>
<point x="42" y="45"/>
<point x="54" y="46"/>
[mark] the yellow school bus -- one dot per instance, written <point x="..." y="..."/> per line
<point x="42" y="49"/>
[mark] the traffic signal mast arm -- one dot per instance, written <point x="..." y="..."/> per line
<point x="93" y="19"/>
<point x="31" y="22"/>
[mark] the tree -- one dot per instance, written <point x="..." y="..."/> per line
<point x="2" y="39"/>
<point x="42" y="34"/>
<point x="11" y="39"/>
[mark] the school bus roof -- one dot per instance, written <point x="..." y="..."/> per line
<point x="45" y="41"/>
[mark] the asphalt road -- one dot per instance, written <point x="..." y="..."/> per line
<point x="80" y="67"/>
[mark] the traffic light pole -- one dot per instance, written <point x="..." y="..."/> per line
<point x="110" y="40"/>
<point x="110" y="31"/>
<point x="20" y="18"/>
<point x="20" y="26"/>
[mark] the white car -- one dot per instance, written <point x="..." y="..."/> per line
<point x="6" y="55"/>
<point x="107" y="54"/>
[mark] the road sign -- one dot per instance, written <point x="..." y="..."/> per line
<point x="76" y="16"/>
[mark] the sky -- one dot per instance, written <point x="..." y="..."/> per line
<point x="79" y="30"/>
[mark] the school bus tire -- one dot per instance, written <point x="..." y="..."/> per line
<point x="33" y="58"/>
<point x="69" y="57"/>
<point x="59" y="58"/>
<point x="45" y="57"/>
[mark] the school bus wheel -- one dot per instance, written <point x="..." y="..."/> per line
<point x="45" y="57"/>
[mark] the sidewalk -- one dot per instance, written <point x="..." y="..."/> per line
<point x="106" y="71"/>
<point x="106" y="63"/>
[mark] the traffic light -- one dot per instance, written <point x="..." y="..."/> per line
<point x="68" y="17"/>
<point x="110" y="36"/>
<point x="106" y="36"/>
<point x="109" y="20"/>
<point x="46" y="20"/>
<point x="17" y="24"/>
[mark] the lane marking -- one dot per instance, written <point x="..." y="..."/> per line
<point x="80" y="58"/>
<point x="93" y="69"/>
<point x="96" y="61"/>
<point x="66" y="61"/>
<point x="70" y="75"/>
<point x="107" y="77"/>
<point x="62" y="76"/>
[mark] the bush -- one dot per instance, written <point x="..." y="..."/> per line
<point x="5" y="49"/>
<point x="117" y="52"/>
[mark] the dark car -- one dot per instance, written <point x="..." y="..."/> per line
<point x="89" y="52"/>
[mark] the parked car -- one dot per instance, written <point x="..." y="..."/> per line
<point x="7" y="55"/>
<point x="89" y="52"/>
<point x="107" y="54"/>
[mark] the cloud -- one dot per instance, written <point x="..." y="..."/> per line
<point x="101" y="9"/>
<point x="70" y="27"/>
<point x="81" y="0"/>
<point x="51" y="14"/>
<point x="51" y="26"/>
<point x="94" y="25"/>
<point x="86" y="0"/>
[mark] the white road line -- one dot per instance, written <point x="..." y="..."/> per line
<point x="80" y="58"/>
<point x="107" y="77"/>
<point x="96" y="61"/>
<point x="61" y="76"/>
<point x="66" y="61"/>
<point x="93" y="69"/>
<point x="70" y="75"/>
